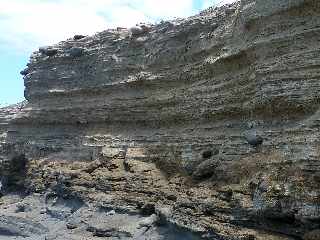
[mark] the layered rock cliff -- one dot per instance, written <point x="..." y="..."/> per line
<point x="157" y="120"/>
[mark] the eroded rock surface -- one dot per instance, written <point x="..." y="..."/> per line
<point x="155" y="123"/>
<point x="75" y="222"/>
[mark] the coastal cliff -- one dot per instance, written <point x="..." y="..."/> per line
<point x="207" y="125"/>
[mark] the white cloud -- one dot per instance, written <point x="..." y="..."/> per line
<point x="167" y="8"/>
<point x="209" y="3"/>
<point x="25" y="25"/>
<point x="223" y="2"/>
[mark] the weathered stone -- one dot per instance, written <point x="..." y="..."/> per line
<point x="209" y="153"/>
<point x="254" y="140"/>
<point x="78" y="37"/>
<point x="17" y="226"/>
<point x="48" y="51"/>
<point x="128" y="123"/>
<point x="205" y="169"/>
<point x="21" y="207"/>
<point x="139" y="30"/>
<point x="25" y="71"/>
<point x="148" y="222"/>
<point x="164" y="214"/>
<point x="76" y="52"/>
<point x="148" y="209"/>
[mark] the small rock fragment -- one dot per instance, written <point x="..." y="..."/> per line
<point x="148" y="209"/>
<point x="226" y="195"/>
<point x="76" y="52"/>
<point x="50" y="237"/>
<point x="205" y="169"/>
<point x="254" y="139"/>
<point x="101" y="232"/>
<point x="21" y="207"/>
<point x="247" y="237"/>
<point x="209" y="153"/>
<point x="71" y="225"/>
<point x="48" y="51"/>
<point x="78" y="37"/>
<point x="25" y="71"/>
<point x="111" y="213"/>
<point x="139" y="30"/>
<point x="171" y="197"/>
<point x="120" y="29"/>
<point x="148" y="222"/>
<point x="164" y="214"/>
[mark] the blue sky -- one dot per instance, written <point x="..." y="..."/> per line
<point x="27" y="24"/>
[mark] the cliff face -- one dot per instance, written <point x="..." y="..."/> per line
<point x="159" y="117"/>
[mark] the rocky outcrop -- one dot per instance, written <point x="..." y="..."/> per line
<point x="160" y="119"/>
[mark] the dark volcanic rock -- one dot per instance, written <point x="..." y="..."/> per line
<point x="209" y="153"/>
<point x="25" y="71"/>
<point x="78" y="37"/>
<point x="48" y="51"/>
<point x="76" y="52"/>
<point x="254" y="140"/>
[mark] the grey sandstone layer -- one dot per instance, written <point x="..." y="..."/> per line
<point x="156" y="120"/>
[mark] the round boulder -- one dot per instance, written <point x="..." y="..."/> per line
<point x="254" y="139"/>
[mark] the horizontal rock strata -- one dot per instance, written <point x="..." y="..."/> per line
<point x="156" y="118"/>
